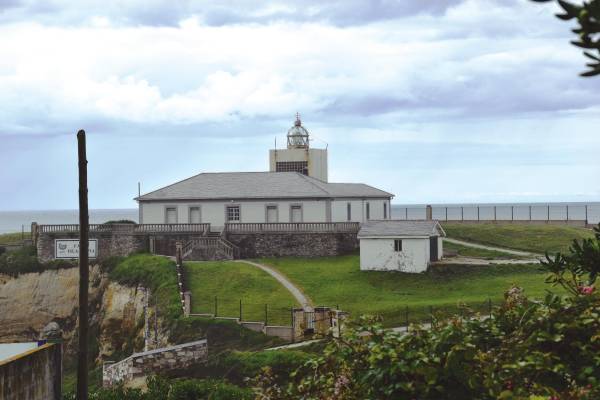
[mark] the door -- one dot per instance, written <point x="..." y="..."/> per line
<point x="171" y="217"/>
<point x="433" y="248"/>
<point x="271" y="214"/>
<point x="195" y="215"/>
<point x="296" y="214"/>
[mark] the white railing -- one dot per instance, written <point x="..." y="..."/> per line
<point x="129" y="228"/>
<point x="210" y="243"/>
<point x="293" y="227"/>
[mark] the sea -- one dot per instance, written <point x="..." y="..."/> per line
<point x="15" y="221"/>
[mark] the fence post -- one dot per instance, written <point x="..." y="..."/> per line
<point x="293" y="325"/>
<point x="477" y="213"/>
<point x="567" y="212"/>
<point x="266" y="315"/>
<point x="406" y="311"/>
<point x="240" y="310"/>
<point x="216" y="310"/>
<point x="490" y="306"/>
<point x="529" y="213"/>
<point x="431" y="314"/>
<point x="495" y="217"/>
<point x="512" y="213"/>
<point x="462" y="213"/>
<point x="586" y="214"/>
<point x="548" y="219"/>
<point x="446" y="213"/>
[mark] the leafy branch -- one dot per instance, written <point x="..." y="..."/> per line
<point x="588" y="31"/>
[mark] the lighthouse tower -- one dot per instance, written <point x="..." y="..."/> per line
<point x="299" y="157"/>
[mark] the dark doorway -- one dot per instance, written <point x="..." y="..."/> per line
<point x="433" y="248"/>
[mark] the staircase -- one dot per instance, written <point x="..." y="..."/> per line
<point x="210" y="247"/>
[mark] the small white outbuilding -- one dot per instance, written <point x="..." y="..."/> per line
<point x="406" y="246"/>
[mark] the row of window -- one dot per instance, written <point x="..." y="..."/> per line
<point x="233" y="213"/>
<point x="367" y="211"/>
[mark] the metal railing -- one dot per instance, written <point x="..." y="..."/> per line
<point x="292" y="227"/>
<point x="211" y="243"/>
<point x="129" y="228"/>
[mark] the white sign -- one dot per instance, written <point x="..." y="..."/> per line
<point x="69" y="248"/>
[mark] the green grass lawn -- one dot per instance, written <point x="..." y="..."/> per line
<point x="534" y="238"/>
<point x="466" y="251"/>
<point x="338" y="280"/>
<point x="231" y="282"/>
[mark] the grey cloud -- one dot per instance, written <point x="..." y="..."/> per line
<point x="168" y="13"/>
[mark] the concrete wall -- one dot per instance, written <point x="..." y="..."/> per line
<point x="33" y="375"/>
<point x="154" y="362"/>
<point x="253" y="245"/>
<point x="213" y="212"/>
<point x="378" y="254"/>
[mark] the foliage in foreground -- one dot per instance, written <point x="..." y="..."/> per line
<point x="527" y="350"/>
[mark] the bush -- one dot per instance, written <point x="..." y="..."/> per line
<point x="2" y="250"/>
<point x="237" y="366"/>
<point x="24" y="260"/>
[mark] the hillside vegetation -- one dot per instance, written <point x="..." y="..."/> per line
<point x="339" y="281"/>
<point x="526" y="237"/>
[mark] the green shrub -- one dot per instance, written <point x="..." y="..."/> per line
<point x="237" y="366"/>
<point x="2" y="250"/>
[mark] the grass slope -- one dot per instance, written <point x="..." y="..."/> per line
<point x="534" y="238"/>
<point x="231" y="282"/>
<point x="338" y="280"/>
<point x="6" y="238"/>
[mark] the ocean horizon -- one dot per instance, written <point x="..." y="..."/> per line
<point x="15" y="221"/>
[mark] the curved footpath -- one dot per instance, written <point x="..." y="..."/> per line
<point x="500" y="249"/>
<point x="295" y="291"/>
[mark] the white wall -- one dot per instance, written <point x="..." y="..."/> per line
<point x="316" y="159"/>
<point x="379" y="255"/>
<point x="213" y="212"/>
<point x="359" y="210"/>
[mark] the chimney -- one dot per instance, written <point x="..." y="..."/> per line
<point x="428" y="213"/>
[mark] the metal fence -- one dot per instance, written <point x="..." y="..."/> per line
<point x="243" y="310"/>
<point x="503" y="212"/>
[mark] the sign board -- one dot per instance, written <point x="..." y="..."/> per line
<point x="69" y="248"/>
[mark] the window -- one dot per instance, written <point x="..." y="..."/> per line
<point x="368" y="211"/>
<point x="292" y="166"/>
<point x="171" y="215"/>
<point x="296" y="213"/>
<point x="349" y="212"/>
<point x="384" y="210"/>
<point x="233" y="213"/>
<point x="195" y="215"/>
<point x="397" y="244"/>
<point x="272" y="214"/>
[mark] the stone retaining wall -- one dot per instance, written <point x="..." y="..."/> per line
<point x="155" y="361"/>
<point x="278" y="244"/>
<point x="33" y="375"/>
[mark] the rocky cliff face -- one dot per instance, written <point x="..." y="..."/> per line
<point x="30" y="301"/>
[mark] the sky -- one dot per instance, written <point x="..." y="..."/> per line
<point x="436" y="101"/>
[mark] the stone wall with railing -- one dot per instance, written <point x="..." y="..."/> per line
<point x="155" y="362"/>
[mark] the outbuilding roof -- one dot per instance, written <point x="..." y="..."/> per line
<point x="400" y="228"/>
<point x="259" y="185"/>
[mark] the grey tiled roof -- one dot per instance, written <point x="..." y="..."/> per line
<point x="395" y="228"/>
<point x="259" y="185"/>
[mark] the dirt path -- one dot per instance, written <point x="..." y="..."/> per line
<point x="500" y="249"/>
<point x="293" y="289"/>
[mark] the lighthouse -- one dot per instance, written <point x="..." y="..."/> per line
<point x="299" y="156"/>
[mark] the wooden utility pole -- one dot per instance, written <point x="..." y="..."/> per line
<point x="82" y="357"/>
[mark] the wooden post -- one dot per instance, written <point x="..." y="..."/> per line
<point x="529" y="213"/>
<point x="548" y="219"/>
<point x="586" y="214"/>
<point x="446" y="213"/>
<point x="82" y="357"/>
<point x="240" y="310"/>
<point x="512" y="213"/>
<point x="462" y="213"/>
<point x="266" y="315"/>
<point x="495" y="217"/>
<point x="567" y="212"/>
